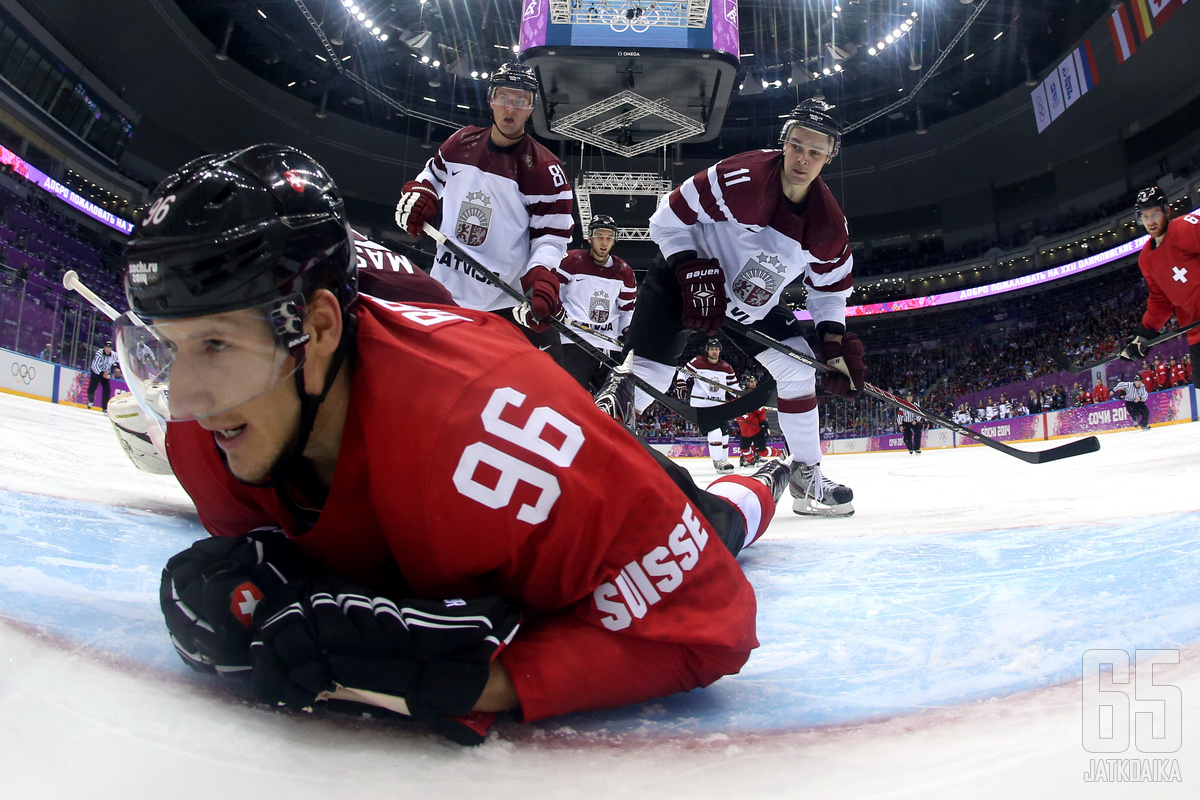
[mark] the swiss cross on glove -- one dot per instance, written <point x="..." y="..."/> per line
<point x="318" y="637"/>
<point x="209" y="592"/>
<point x="702" y="286"/>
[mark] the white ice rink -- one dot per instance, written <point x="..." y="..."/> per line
<point x="928" y="647"/>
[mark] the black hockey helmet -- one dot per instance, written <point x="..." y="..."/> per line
<point x="814" y="115"/>
<point x="511" y="75"/>
<point x="1151" y="197"/>
<point x="257" y="230"/>
<point x="237" y="230"/>
<point x="713" y="342"/>
<point x="602" y="222"/>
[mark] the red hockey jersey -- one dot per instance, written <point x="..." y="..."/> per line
<point x="471" y="464"/>
<point x="750" y="424"/>
<point x="1172" y="273"/>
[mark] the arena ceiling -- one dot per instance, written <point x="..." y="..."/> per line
<point x="378" y="74"/>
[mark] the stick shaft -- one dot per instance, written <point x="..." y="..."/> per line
<point x="1087" y="445"/>
<point x="72" y="283"/>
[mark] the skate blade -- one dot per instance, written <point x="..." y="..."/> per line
<point x="807" y="509"/>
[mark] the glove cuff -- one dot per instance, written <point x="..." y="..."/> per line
<point x="830" y="327"/>
<point x="1145" y="333"/>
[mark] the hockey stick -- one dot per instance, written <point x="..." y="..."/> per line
<point x="1078" y="447"/>
<point x="1065" y="363"/>
<point x="691" y="373"/>
<point x="704" y="418"/>
<point x="72" y="283"/>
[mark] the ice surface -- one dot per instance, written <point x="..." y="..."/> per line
<point x="929" y="646"/>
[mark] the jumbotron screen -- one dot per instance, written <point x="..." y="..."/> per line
<point x="678" y="24"/>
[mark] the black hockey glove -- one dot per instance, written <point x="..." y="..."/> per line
<point x="320" y="636"/>
<point x="209" y="592"/>
<point x="1137" y="346"/>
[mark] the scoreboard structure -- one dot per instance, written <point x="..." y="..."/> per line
<point x="631" y="76"/>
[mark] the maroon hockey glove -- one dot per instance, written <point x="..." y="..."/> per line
<point x="321" y="636"/>
<point x="541" y="287"/>
<point x="845" y="356"/>
<point x="703" y="288"/>
<point x="209" y="591"/>
<point x="418" y="205"/>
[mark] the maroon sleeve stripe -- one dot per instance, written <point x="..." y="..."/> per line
<point x="825" y="267"/>
<point x="708" y="200"/>
<point x="842" y="285"/>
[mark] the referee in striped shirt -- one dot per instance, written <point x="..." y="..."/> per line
<point x="102" y="364"/>
<point x="910" y="426"/>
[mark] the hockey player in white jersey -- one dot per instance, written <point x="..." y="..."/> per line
<point x="731" y="238"/>
<point x="599" y="290"/>
<point x="505" y="199"/>
<point x="703" y="394"/>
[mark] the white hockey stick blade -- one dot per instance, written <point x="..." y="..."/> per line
<point x="389" y="701"/>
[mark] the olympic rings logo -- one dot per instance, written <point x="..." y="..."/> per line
<point x="23" y="373"/>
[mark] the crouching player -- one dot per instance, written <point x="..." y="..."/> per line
<point x="408" y="501"/>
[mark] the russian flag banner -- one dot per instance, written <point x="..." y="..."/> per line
<point x="1122" y="34"/>
<point x="1085" y="66"/>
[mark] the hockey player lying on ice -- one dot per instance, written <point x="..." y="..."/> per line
<point x="408" y="501"/>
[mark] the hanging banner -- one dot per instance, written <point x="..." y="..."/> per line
<point x="1122" y="35"/>
<point x="1041" y="109"/>
<point x="1054" y="95"/>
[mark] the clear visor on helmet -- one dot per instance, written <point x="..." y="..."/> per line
<point x="198" y="367"/>
<point x="807" y="140"/>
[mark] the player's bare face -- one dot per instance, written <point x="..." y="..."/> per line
<point x="511" y="109"/>
<point x="805" y="153"/>
<point x="1154" y="221"/>
<point x="713" y="354"/>
<point x="602" y="245"/>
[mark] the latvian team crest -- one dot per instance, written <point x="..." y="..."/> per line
<point x="474" y="219"/>
<point x="598" y="308"/>
<point x="758" y="280"/>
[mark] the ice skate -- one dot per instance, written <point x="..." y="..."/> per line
<point x="615" y="397"/>
<point x="723" y="466"/>
<point x="816" y="495"/>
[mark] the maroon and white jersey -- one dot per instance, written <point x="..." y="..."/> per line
<point x="705" y="395"/>
<point x="509" y="207"/>
<point x="600" y="295"/>
<point x="1172" y="272"/>
<point x="388" y="275"/>
<point x="735" y="212"/>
